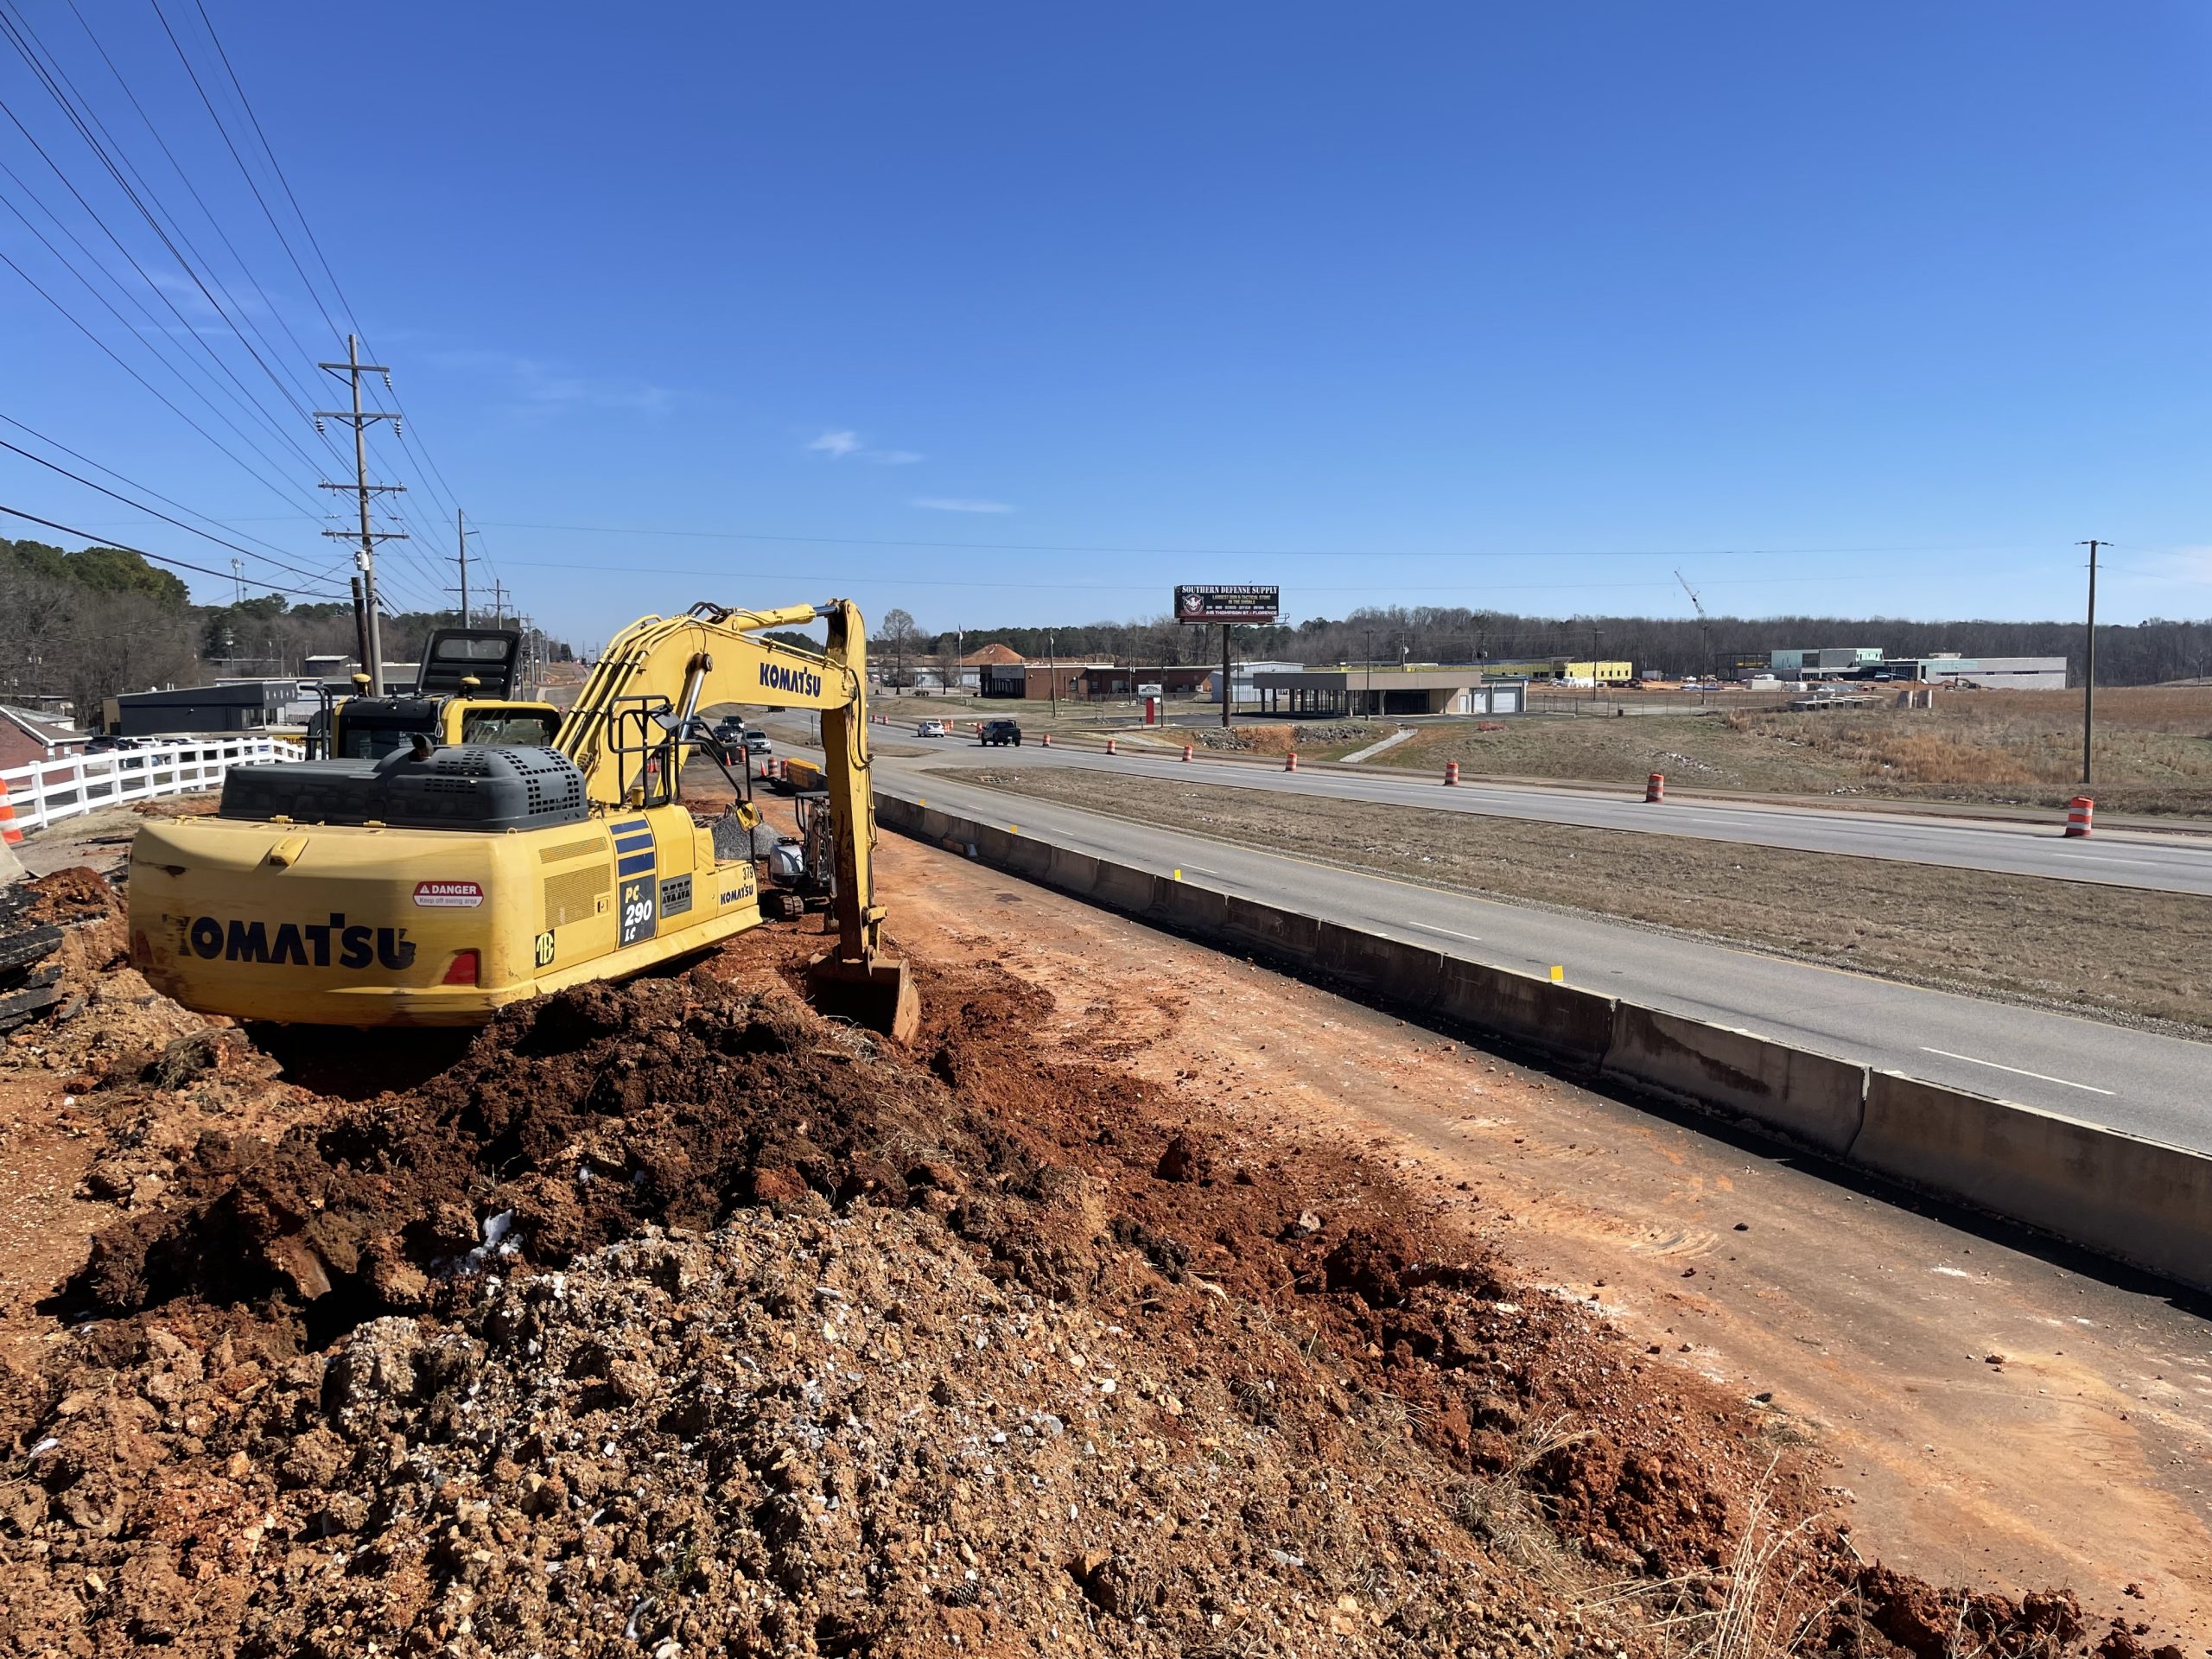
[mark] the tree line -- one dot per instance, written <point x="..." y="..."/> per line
<point x="2142" y="653"/>
<point x="85" y="625"/>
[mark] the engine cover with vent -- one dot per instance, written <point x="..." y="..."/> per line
<point x="459" y="787"/>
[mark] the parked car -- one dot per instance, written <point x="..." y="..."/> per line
<point x="931" y="728"/>
<point x="998" y="731"/>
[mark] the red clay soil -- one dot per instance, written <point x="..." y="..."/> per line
<point x="674" y="1318"/>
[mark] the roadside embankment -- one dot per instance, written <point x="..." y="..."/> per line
<point x="2141" y="1203"/>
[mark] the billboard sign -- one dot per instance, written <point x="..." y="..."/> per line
<point x="1232" y="602"/>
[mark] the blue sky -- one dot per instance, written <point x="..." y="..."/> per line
<point x="1864" y="309"/>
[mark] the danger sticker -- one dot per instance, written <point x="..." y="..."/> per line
<point x="449" y="895"/>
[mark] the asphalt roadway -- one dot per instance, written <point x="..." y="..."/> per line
<point x="2129" y="858"/>
<point x="2154" y="1086"/>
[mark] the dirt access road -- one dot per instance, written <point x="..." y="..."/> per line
<point x="2081" y="1458"/>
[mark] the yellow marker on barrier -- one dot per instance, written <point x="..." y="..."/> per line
<point x="1558" y="975"/>
<point x="1178" y="875"/>
<point x="1013" y="829"/>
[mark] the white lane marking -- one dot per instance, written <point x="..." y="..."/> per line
<point x="1448" y="933"/>
<point x="1200" y="869"/>
<point x="2087" y="1088"/>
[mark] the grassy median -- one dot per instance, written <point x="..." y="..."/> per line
<point x="2121" y="954"/>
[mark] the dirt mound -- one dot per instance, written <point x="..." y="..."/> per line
<point x="673" y="1315"/>
<point x="103" y="1009"/>
<point x="75" y="894"/>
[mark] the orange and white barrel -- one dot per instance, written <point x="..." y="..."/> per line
<point x="2077" y="816"/>
<point x="1655" y="787"/>
<point x="9" y="833"/>
<point x="1290" y="761"/>
<point x="1046" y="739"/>
<point x="1187" y="751"/>
<point x="1451" y="773"/>
<point x="1110" y="749"/>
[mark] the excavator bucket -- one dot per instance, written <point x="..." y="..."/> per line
<point x="879" y="995"/>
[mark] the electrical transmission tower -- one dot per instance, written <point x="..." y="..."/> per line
<point x="352" y="370"/>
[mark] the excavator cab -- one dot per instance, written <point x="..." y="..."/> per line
<point x="464" y="693"/>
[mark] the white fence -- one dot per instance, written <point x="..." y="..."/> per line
<point x="48" y="790"/>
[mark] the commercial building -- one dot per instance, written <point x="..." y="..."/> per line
<point x="231" y="706"/>
<point x="1823" y="661"/>
<point x="1414" y="690"/>
<point x="967" y="672"/>
<point x="1242" y="683"/>
<point x="1081" y="681"/>
<point x="1562" y="670"/>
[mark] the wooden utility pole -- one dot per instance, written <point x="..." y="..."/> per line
<point x="460" y="535"/>
<point x="361" y="622"/>
<point x="360" y="419"/>
<point x="2089" y="667"/>
<point x="499" y="602"/>
<point x="1228" y="688"/>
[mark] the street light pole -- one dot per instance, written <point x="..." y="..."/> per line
<point x="1052" y="670"/>
<point x="2090" y="665"/>
<point x="1370" y="710"/>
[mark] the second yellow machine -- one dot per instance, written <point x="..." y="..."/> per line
<point x="438" y="883"/>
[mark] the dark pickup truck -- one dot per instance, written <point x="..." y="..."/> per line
<point x="999" y="731"/>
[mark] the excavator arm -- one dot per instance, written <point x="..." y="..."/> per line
<point x="656" y="675"/>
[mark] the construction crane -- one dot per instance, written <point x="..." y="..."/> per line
<point x="1704" y="623"/>
<point x="440" y="882"/>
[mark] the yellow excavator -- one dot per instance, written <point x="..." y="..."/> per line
<point x="438" y="882"/>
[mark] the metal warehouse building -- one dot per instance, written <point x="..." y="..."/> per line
<point x="1997" y="673"/>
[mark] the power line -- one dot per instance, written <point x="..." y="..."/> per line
<point x="274" y="489"/>
<point x="158" y="558"/>
<point x="144" y="339"/>
<point x="115" y="173"/>
<point x="175" y="222"/>
<point x="144" y="489"/>
<point x="246" y="104"/>
<point x="185" y="178"/>
<point x="113" y="495"/>
<point x="433" y="475"/>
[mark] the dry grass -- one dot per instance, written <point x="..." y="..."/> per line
<point x="2066" y="944"/>
<point x="2154" y="749"/>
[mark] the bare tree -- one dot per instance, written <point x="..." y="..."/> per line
<point x="896" y="634"/>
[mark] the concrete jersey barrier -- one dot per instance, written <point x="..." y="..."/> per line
<point x="1813" y="1098"/>
<point x="2144" y="1204"/>
<point x="2136" y="1201"/>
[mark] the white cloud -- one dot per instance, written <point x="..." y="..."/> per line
<point x="841" y="442"/>
<point x="941" y="504"/>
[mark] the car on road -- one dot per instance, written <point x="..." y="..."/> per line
<point x="997" y="732"/>
<point x="931" y="728"/>
<point x="755" y="741"/>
